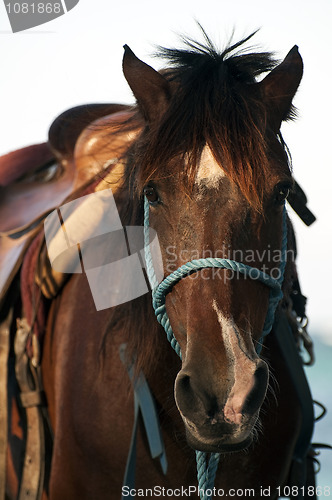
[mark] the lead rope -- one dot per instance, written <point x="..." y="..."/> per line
<point x="206" y="472"/>
<point x="207" y="466"/>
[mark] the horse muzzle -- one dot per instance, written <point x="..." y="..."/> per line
<point x="220" y="417"/>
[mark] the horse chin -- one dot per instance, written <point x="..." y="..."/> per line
<point x="218" y="445"/>
<point x="224" y="443"/>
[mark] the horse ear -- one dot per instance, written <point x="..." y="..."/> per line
<point x="151" y="89"/>
<point x="280" y="86"/>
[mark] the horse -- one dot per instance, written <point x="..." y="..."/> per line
<point x="201" y="156"/>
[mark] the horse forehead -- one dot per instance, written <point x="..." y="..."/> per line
<point x="209" y="172"/>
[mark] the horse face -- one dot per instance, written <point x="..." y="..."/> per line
<point x="218" y="316"/>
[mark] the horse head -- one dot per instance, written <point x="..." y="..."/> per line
<point x="212" y="164"/>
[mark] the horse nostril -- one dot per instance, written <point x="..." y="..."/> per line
<point x="184" y="394"/>
<point x="184" y="380"/>
<point x="193" y="399"/>
<point x="257" y="394"/>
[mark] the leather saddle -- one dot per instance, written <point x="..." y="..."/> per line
<point x="36" y="179"/>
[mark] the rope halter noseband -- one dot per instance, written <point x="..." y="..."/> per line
<point x="206" y="469"/>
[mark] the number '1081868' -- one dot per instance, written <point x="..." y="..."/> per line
<point x="33" y="8"/>
<point x="310" y="491"/>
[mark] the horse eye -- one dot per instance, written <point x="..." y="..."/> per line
<point x="151" y="195"/>
<point x="282" y="192"/>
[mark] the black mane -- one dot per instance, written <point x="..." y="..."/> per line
<point x="204" y="60"/>
<point x="215" y="101"/>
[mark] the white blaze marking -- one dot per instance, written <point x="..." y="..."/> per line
<point x="244" y="368"/>
<point x="209" y="172"/>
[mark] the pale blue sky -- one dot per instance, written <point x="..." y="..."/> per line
<point x="76" y="59"/>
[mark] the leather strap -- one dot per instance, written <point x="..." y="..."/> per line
<point x="32" y="398"/>
<point x="4" y="353"/>
<point x="298" y="473"/>
<point x="29" y="381"/>
<point x="144" y="406"/>
<point x="298" y="201"/>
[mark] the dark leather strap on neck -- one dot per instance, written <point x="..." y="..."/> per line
<point x="144" y="406"/>
<point x="4" y="352"/>
<point x="298" y="201"/>
<point x="298" y="473"/>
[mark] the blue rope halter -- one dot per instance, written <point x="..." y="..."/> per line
<point x="207" y="467"/>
